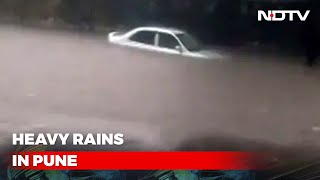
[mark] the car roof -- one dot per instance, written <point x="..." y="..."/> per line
<point x="161" y="29"/>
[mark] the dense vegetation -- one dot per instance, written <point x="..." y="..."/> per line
<point x="227" y="21"/>
<point x="198" y="16"/>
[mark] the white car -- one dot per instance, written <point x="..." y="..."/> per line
<point x="164" y="40"/>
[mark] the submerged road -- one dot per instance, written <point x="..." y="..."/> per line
<point x="67" y="82"/>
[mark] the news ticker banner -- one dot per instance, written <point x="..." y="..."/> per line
<point x="135" y="160"/>
<point x="35" y="157"/>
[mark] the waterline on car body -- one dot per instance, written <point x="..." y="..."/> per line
<point x="163" y="40"/>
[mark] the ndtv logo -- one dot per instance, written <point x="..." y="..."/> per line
<point x="281" y="15"/>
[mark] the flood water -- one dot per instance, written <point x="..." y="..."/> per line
<point x="68" y="82"/>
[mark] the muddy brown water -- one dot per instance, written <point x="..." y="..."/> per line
<point x="67" y="82"/>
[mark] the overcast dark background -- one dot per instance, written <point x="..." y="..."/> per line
<point x="227" y="22"/>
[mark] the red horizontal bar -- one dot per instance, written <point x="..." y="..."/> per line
<point x="151" y="161"/>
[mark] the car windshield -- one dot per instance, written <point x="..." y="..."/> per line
<point x="189" y="42"/>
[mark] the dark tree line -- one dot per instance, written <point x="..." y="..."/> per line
<point x="223" y="21"/>
<point x="198" y="16"/>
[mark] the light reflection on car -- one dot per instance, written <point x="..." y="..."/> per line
<point x="164" y="40"/>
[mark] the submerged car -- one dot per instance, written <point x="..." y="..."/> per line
<point x="163" y="40"/>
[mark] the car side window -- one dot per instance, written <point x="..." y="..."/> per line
<point x="146" y="37"/>
<point x="167" y="41"/>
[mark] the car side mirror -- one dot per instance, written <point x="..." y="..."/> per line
<point x="178" y="48"/>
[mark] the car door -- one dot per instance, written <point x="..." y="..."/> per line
<point x="143" y="40"/>
<point x="167" y="43"/>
